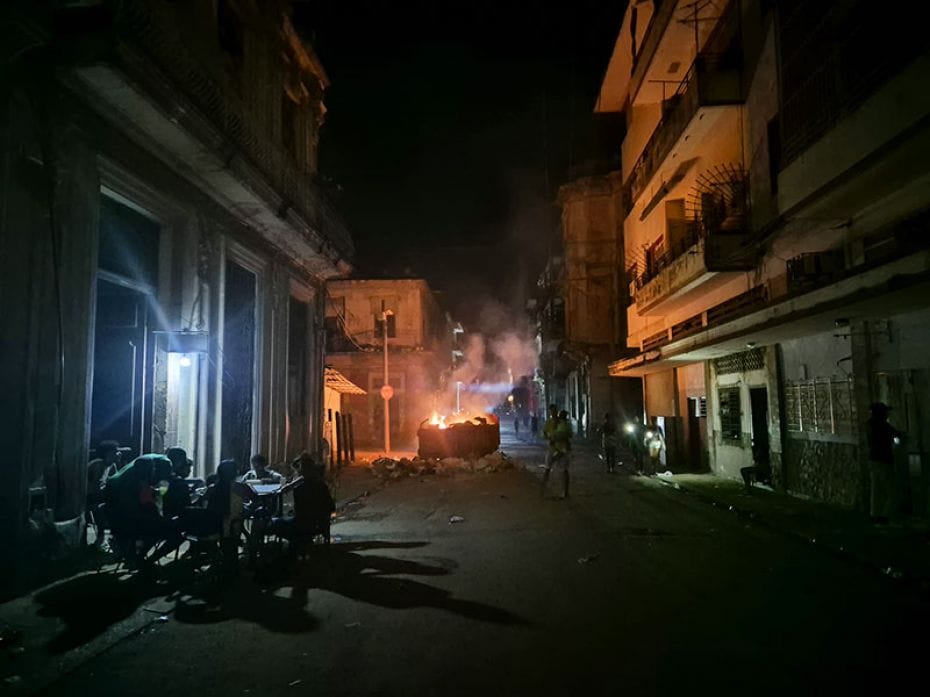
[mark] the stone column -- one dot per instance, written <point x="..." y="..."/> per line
<point x="20" y="232"/>
<point x="77" y="202"/>
<point x="774" y="377"/>
<point x="48" y="259"/>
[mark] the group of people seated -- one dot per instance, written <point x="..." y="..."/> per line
<point x="151" y="505"/>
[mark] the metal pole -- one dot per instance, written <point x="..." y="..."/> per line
<point x="387" y="404"/>
<point x="344" y="444"/>
<point x="351" y="434"/>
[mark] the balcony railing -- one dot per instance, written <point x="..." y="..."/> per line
<point x="146" y="27"/>
<point x="833" y="57"/>
<point x="711" y="81"/>
<point x="717" y="229"/>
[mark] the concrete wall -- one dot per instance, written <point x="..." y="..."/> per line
<point x="825" y="466"/>
<point x="411" y="301"/>
<point x="591" y="225"/>
<point x="661" y="393"/>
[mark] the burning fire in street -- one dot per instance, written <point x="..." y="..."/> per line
<point x="441" y="421"/>
<point x="458" y="435"/>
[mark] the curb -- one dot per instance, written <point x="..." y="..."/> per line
<point x="916" y="582"/>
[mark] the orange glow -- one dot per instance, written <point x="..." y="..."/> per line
<point x="442" y="421"/>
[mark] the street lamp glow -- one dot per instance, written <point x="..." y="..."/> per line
<point x="629" y="428"/>
<point x="184" y="362"/>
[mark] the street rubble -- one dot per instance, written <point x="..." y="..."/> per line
<point x="391" y="469"/>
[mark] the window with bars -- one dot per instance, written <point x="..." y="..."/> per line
<point x="730" y="421"/>
<point x="820" y="406"/>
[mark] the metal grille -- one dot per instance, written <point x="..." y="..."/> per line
<point x="754" y="359"/>
<point x="730" y="422"/>
<point x="833" y="56"/>
<point x="820" y="406"/>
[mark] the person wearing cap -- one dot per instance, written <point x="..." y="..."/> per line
<point x="882" y="438"/>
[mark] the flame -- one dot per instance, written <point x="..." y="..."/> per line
<point x="442" y="421"/>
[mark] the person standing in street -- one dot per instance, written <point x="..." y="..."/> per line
<point x="558" y="433"/>
<point x="882" y="437"/>
<point x="654" y="442"/>
<point x="609" y="437"/>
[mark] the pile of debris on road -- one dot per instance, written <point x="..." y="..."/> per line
<point x="388" y="468"/>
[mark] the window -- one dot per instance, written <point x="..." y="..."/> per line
<point x="391" y="327"/>
<point x="822" y="405"/>
<point x="730" y="421"/>
<point x="229" y="32"/>
<point x="378" y="305"/>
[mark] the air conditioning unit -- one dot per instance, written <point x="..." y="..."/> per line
<point x="815" y="265"/>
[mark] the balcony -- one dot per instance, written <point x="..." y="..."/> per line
<point x="710" y="84"/>
<point x="154" y="80"/>
<point x="714" y="238"/>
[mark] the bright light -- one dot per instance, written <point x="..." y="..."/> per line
<point x="897" y="441"/>
<point x="184" y="362"/>
<point x="649" y="434"/>
<point x="510" y="398"/>
<point x="629" y="428"/>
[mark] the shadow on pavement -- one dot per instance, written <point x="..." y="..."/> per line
<point x="246" y="600"/>
<point x="91" y="603"/>
<point x="376" y="580"/>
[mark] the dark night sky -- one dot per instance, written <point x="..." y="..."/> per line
<point x="438" y="118"/>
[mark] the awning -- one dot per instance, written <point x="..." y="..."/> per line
<point x="340" y="383"/>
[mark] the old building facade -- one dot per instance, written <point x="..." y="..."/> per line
<point x="360" y="315"/>
<point x="776" y="235"/>
<point x="580" y="317"/>
<point x="164" y="243"/>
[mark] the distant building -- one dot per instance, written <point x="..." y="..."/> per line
<point x="164" y="243"/>
<point x="777" y="191"/>
<point x="420" y="346"/>
<point x="579" y="307"/>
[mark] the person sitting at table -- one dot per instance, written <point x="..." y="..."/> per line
<point x="178" y="496"/>
<point x="99" y="470"/>
<point x="133" y="509"/>
<point x="261" y="471"/>
<point x="313" y="504"/>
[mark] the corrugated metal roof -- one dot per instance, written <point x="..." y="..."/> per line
<point x="339" y="382"/>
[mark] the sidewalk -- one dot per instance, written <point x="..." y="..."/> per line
<point x="82" y="614"/>
<point x="900" y="551"/>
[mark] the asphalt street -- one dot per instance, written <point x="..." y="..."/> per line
<point x="628" y="587"/>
